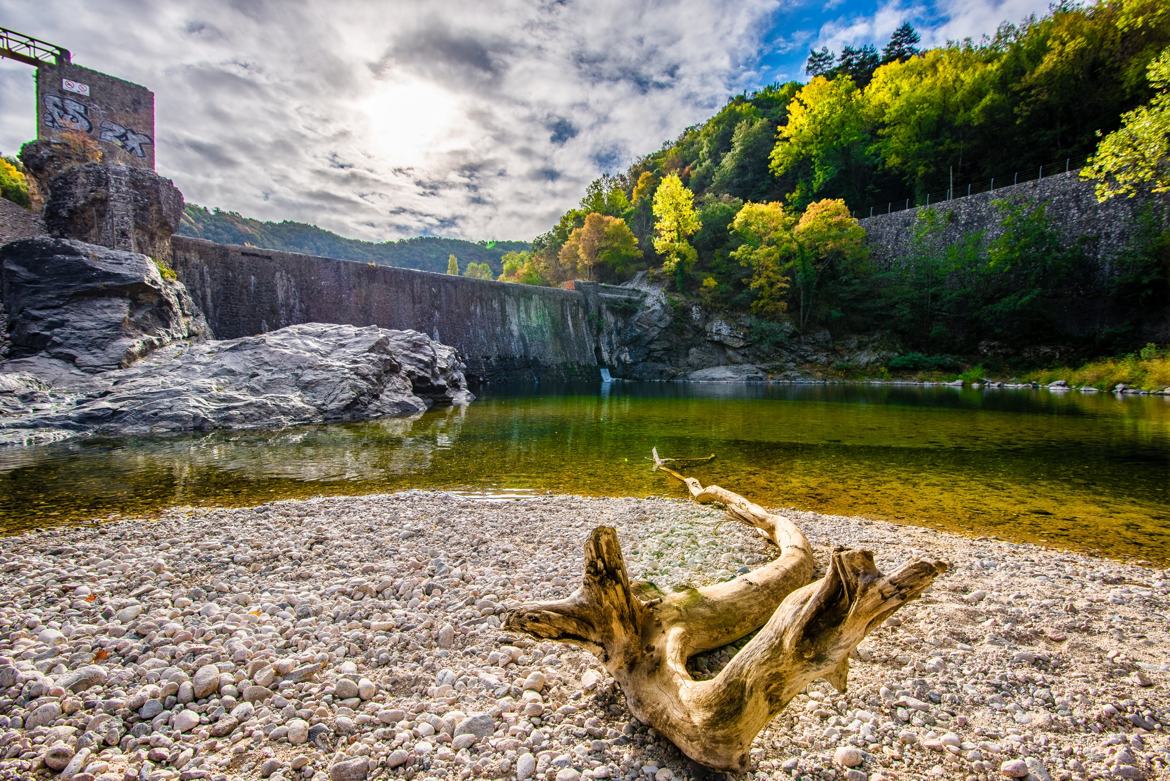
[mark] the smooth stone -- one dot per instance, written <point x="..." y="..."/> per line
<point x="848" y="756"/>
<point x="350" y="770"/>
<point x="205" y="681"/>
<point x="185" y="720"/>
<point x="480" y="725"/>
<point x="298" y="732"/>
<point x="525" y="766"/>
<point x="84" y="678"/>
<point x="366" y="689"/>
<point x="56" y="757"/>
<point x="1014" y="768"/>
<point x="43" y="715"/>
<point x="256" y="694"/>
<point x="397" y="758"/>
<point x="345" y="689"/>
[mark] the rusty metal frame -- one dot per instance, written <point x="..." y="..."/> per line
<point x="29" y="50"/>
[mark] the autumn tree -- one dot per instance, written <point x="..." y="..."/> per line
<point x="1135" y="158"/>
<point x="767" y="247"/>
<point x="830" y="246"/>
<point x="452" y="265"/>
<point x="675" y="223"/>
<point x="478" y="271"/>
<point x="602" y="248"/>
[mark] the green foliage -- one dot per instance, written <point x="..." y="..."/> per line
<point x="426" y="253"/>
<point x="831" y="256"/>
<point x="13" y="183"/>
<point x="1135" y="158"/>
<point x="522" y="267"/>
<point x="825" y="142"/>
<point x="478" y="271"/>
<point x="903" y="44"/>
<point x="164" y="270"/>
<point x="453" y="265"/>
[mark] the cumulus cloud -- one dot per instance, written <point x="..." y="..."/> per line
<point x="388" y="119"/>
<point x="384" y="120"/>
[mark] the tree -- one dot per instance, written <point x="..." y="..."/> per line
<point x="13" y="184"/>
<point x="675" y="223"/>
<point x="1135" y="158"/>
<point x="858" y="64"/>
<point x="602" y="248"/>
<point x="452" y="265"/>
<point x="902" y="45"/>
<point x="767" y="246"/>
<point x="830" y="247"/>
<point x="523" y="268"/>
<point x="824" y="145"/>
<point x="926" y="111"/>
<point x="743" y="171"/>
<point x="820" y="62"/>
<point x="478" y="271"/>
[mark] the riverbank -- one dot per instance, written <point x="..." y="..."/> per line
<point x="358" y="637"/>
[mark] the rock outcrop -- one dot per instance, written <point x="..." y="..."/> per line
<point x="84" y="198"/>
<point x="309" y="373"/>
<point x="90" y="307"/>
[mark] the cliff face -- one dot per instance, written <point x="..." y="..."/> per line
<point x="500" y="330"/>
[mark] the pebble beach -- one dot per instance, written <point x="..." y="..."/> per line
<point x="359" y="638"/>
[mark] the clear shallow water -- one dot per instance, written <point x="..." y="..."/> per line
<point x="1089" y="473"/>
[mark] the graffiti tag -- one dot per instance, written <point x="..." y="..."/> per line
<point x="124" y="137"/>
<point x="66" y="114"/>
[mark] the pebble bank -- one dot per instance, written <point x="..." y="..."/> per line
<point x="358" y="638"/>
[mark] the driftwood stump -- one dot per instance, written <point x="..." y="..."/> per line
<point x="808" y="630"/>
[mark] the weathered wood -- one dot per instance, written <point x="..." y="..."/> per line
<point x="808" y="629"/>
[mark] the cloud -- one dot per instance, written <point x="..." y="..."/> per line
<point x="384" y="119"/>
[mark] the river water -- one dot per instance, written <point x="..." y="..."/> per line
<point x="1085" y="472"/>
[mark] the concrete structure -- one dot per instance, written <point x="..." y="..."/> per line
<point x="117" y="114"/>
<point x="1104" y="229"/>
<point x="502" y="331"/>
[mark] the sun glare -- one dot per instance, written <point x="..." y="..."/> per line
<point x="409" y="120"/>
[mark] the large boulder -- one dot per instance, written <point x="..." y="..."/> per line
<point x="89" y="306"/>
<point x="308" y="373"/>
<point x="116" y="206"/>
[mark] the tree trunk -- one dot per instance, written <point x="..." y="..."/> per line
<point x="808" y="630"/>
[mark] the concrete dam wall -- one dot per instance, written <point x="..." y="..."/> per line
<point x="502" y="330"/>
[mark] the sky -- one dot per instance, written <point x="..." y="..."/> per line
<point x="476" y="119"/>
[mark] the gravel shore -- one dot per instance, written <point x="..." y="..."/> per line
<point x="353" y="638"/>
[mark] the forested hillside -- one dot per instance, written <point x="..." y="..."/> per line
<point x="427" y="253"/>
<point x="754" y="208"/>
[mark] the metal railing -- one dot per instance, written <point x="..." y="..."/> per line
<point x="1059" y="168"/>
<point x="29" y="50"/>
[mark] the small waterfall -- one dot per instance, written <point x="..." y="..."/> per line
<point x="605" y="376"/>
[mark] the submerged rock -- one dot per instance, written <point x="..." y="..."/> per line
<point x="90" y="307"/>
<point x="309" y="373"/>
<point x="744" y="372"/>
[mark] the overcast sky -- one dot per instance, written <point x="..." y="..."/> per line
<point x="479" y="120"/>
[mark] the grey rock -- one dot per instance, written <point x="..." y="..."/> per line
<point x="43" y="715"/>
<point x="481" y="725"/>
<point x="116" y="206"/>
<point x="84" y="678"/>
<point x="205" y="681"/>
<point x="305" y="373"/>
<point x="345" y="689"/>
<point x="350" y="770"/>
<point x="740" y="373"/>
<point x="88" y="306"/>
<point x="1013" y="768"/>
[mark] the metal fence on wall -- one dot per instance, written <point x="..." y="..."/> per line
<point x="1058" y="168"/>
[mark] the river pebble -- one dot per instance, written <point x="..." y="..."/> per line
<point x="355" y="638"/>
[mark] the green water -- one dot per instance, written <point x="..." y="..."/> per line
<point x="1089" y="473"/>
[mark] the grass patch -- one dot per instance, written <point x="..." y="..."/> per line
<point x="1148" y="369"/>
<point x="165" y="270"/>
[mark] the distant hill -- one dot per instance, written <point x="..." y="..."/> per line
<point x="426" y="253"/>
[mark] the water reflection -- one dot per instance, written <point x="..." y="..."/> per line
<point x="1069" y="469"/>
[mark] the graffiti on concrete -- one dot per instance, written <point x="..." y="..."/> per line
<point x="63" y="113"/>
<point x="130" y="140"/>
